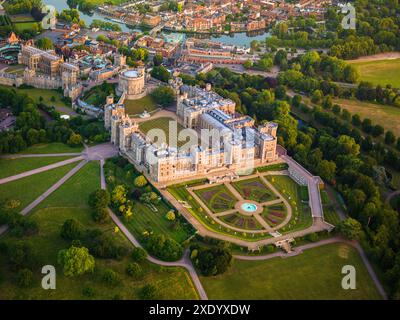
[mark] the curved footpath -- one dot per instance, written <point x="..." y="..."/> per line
<point x="300" y="249"/>
<point x="184" y="262"/>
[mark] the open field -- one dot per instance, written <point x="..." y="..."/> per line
<point x="163" y="124"/>
<point x="381" y="72"/>
<point x="70" y="201"/>
<point x="75" y="192"/>
<point x="28" y="189"/>
<point x="11" y="167"/>
<point x="314" y="274"/>
<point x="136" y="107"/>
<point x="54" y="147"/>
<point x="294" y="194"/>
<point x="387" y="116"/>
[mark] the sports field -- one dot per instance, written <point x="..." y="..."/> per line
<point x="381" y="72"/>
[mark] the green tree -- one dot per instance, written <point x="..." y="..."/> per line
<point x="163" y="95"/>
<point x="45" y="43"/>
<point x="76" y="261"/>
<point x="134" y="270"/>
<point x="138" y="254"/>
<point x="71" y="230"/>
<point x="99" y="199"/>
<point x="75" y="139"/>
<point x="349" y="228"/>
<point x="158" y="59"/>
<point x="118" y="196"/>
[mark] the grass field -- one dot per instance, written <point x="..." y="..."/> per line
<point x="28" y="189"/>
<point x="16" y="69"/>
<point x="10" y="167"/>
<point x="163" y="124"/>
<point x="314" y="274"/>
<point x="301" y="214"/>
<point x="381" y="72"/>
<point x="54" y="147"/>
<point x="136" y="107"/>
<point x="386" y="116"/>
<point x="75" y="192"/>
<point x="70" y="201"/>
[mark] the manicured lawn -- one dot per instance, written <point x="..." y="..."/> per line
<point x="136" y="107"/>
<point x="381" y="72"/>
<point x="217" y="198"/>
<point x="24" y="17"/>
<point x="76" y="190"/>
<point x="254" y="189"/>
<point x="10" y="167"/>
<point x="21" y="26"/>
<point x="164" y="124"/>
<point x="386" y="116"/>
<point x="314" y="274"/>
<point x="55" y="147"/>
<point x="301" y="214"/>
<point x="28" y="189"/>
<point x="144" y="218"/>
<point x="240" y="221"/>
<point x="46" y="94"/>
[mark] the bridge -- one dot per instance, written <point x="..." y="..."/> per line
<point x="157" y="29"/>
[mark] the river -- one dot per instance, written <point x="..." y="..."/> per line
<point x="238" y="39"/>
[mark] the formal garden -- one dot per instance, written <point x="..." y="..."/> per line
<point x="247" y="208"/>
<point x="274" y="214"/>
<point x="217" y="198"/>
<point x="254" y="189"/>
<point x="238" y="220"/>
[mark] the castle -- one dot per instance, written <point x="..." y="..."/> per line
<point x="46" y="70"/>
<point x="240" y="145"/>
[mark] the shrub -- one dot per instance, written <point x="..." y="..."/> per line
<point x="71" y="229"/>
<point x="164" y="248"/>
<point x="138" y="254"/>
<point x="149" y="292"/>
<point x="88" y="292"/>
<point x="140" y="181"/>
<point x="312" y="237"/>
<point x="170" y="215"/>
<point x="111" y="277"/>
<point x="24" y="278"/>
<point x="100" y="215"/>
<point x="213" y="261"/>
<point x="99" y="199"/>
<point x="134" y="270"/>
